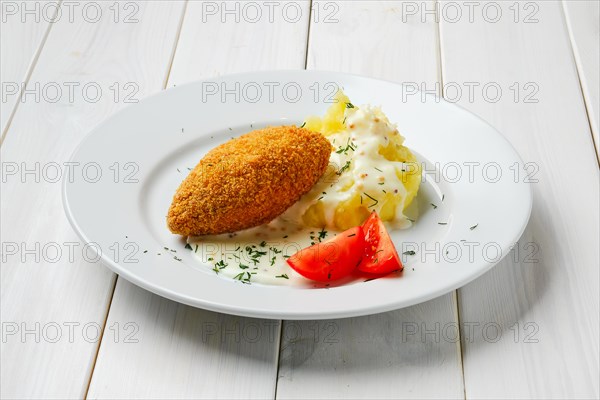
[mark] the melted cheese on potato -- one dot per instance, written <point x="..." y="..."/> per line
<point x="369" y="170"/>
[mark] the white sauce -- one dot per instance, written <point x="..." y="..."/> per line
<point x="362" y="171"/>
<point x="258" y="255"/>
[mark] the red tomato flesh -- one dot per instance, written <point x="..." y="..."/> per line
<point x="380" y="256"/>
<point x="332" y="259"/>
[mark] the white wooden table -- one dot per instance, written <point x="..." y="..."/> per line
<point x="528" y="329"/>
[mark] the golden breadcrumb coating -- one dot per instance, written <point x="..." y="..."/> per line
<point x="248" y="181"/>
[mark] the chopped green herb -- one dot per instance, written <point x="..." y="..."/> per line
<point x="378" y="169"/>
<point x="303" y="124"/>
<point x="322" y="234"/>
<point x="243" y="277"/>
<point x="474" y="226"/>
<point x="255" y="254"/>
<point x="372" y="198"/>
<point x="275" y="250"/>
<point x="349" y="146"/>
<point x="349" y="105"/>
<point x="263" y="243"/>
<point x="433" y="205"/>
<point x="443" y="197"/>
<point x="409" y="253"/>
<point x="344" y="168"/>
<point x="187" y="246"/>
<point x="284" y="276"/>
<point x="442" y="223"/>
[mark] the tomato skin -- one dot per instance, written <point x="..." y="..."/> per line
<point x="332" y="259"/>
<point x="380" y="255"/>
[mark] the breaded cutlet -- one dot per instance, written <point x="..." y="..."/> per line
<point x="248" y="181"/>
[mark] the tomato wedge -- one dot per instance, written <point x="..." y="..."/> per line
<point x="332" y="259"/>
<point x="380" y="255"/>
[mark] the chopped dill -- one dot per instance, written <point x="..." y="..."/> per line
<point x="372" y="198"/>
<point x="344" y="168"/>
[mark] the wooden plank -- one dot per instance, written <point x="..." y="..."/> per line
<point x="583" y="22"/>
<point x="534" y="318"/>
<point x="23" y="31"/>
<point x="216" y="39"/>
<point x="396" y="354"/>
<point x="184" y="352"/>
<point x="167" y="350"/>
<point x="390" y="355"/>
<point x="59" y="296"/>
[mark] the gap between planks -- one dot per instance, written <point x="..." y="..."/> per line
<point x="29" y="72"/>
<point x="281" y="322"/>
<point x="455" y="293"/>
<point x="114" y="285"/>
<point x="579" y="67"/>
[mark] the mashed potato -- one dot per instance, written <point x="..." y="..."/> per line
<point x="369" y="170"/>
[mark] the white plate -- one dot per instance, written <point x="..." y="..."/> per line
<point x="143" y="153"/>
